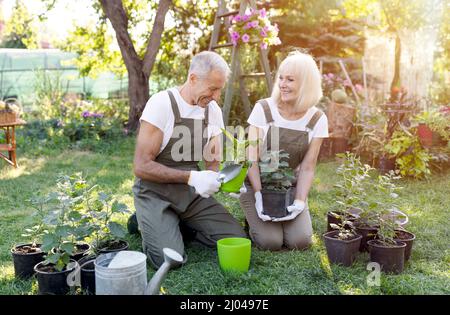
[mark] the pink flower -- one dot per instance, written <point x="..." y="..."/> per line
<point x="262" y="13"/>
<point x="245" y="38"/>
<point x="235" y="35"/>
<point x="346" y="83"/>
<point x="263" y="33"/>
<point x="237" y="18"/>
<point x="359" y="88"/>
<point x="264" y="45"/>
<point x="245" y="17"/>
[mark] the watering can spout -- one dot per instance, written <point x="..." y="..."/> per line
<point x="171" y="259"/>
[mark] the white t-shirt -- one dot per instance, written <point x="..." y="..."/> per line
<point x="158" y="112"/>
<point x="258" y="119"/>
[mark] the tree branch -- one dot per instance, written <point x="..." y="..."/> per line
<point x="116" y="14"/>
<point x="155" y="37"/>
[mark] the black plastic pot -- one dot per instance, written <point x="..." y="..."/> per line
<point x="331" y="219"/>
<point x="276" y="202"/>
<point x="391" y="258"/>
<point x="82" y="250"/>
<point x="87" y="274"/>
<point x="407" y="238"/>
<point x="25" y="262"/>
<point x="367" y="233"/>
<point x="342" y="252"/>
<point x="122" y="245"/>
<point x="132" y="224"/>
<point x="53" y="282"/>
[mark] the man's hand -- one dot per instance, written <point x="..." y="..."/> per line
<point x="294" y="210"/>
<point x="242" y="190"/>
<point x="259" y="207"/>
<point x="204" y="182"/>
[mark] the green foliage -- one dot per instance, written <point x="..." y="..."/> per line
<point x="351" y="192"/>
<point x="39" y="204"/>
<point x="235" y="149"/>
<point x="276" y="175"/>
<point x="66" y="223"/>
<point x="100" y="209"/>
<point x="411" y="158"/>
<point x="20" y="31"/>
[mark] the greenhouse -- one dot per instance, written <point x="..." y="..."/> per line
<point x="23" y="70"/>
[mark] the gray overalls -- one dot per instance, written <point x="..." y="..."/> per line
<point x="296" y="233"/>
<point x="161" y="207"/>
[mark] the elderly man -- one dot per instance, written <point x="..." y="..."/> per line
<point x="180" y="127"/>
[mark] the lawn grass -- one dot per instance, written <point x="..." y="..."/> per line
<point x="285" y="272"/>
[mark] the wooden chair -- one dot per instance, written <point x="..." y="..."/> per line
<point x="10" y="145"/>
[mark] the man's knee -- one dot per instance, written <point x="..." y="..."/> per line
<point x="155" y="254"/>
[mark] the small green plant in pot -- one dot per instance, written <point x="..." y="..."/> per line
<point x="386" y="249"/>
<point x="107" y="235"/>
<point x="342" y="242"/>
<point x="350" y="191"/>
<point x="27" y="255"/>
<point x="235" y="154"/>
<point x="277" y="180"/>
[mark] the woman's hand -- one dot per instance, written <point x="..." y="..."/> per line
<point x="259" y="207"/>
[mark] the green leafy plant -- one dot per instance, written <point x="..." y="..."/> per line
<point x="384" y="205"/>
<point x="236" y="148"/>
<point x="276" y="175"/>
<point x="35" y="233"/>
<point x="100" y="209"/>
<point x="411" y="158"/>
<point x="351" y="193"/>
<point x="67" y="224"/>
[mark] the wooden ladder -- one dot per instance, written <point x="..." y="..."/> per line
<point x="222" y="19"/>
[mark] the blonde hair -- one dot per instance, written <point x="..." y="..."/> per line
<point x="305" y="70"/>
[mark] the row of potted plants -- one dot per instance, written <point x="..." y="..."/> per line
<point x="66" y="219"/>
<point x="364" y="221"/>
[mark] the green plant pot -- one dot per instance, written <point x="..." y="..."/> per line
<point x="234" y="254"/>
<point x="235" y="184"/>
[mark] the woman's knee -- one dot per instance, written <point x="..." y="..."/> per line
<point x="300" y="242"/>
<point x="269" y="242"/>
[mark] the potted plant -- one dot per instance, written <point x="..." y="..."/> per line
<point x="401" y="235"/>
<point x="385" y="249"/>
<point x="350" y="191"/>
<point x="106" y="234"/>
<point x="432" y="128"/>
<point x="342" y="243"/>
<point x="277" y="179"/>
<point x="27" y="255"/>
<point x="235" y="154"/>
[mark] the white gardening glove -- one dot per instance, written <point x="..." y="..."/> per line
<point x="294" y="210"/>
<point x="242" y="190"/>
<point x="259" y="207"/>
<point x="204" y="182"/>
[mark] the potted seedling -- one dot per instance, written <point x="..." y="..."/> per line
<point x="386" y="249"/>
<point x="342" y="243"/>
<point x="351" y="187"/>
<point x="277" y="179"/>
<point x="106" y="234"/>
<point x="27" y="255"/>
<point x="235" y="154"/>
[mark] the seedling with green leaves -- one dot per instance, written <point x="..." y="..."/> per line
<point x="276" y="175"/>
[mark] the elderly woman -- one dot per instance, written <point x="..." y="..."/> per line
<point x="291" y="114"/>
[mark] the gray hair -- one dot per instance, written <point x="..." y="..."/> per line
<point x="206" y="61"/>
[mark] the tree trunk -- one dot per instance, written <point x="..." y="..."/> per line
<point x="395" y="84"/>
<point x="138" y="94"/>
<point x="138" y="69"/>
